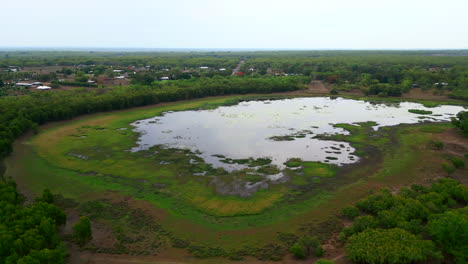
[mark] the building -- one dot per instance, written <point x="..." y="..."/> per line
<point x="43" y="87"/>
<point x="164" y="78"/>
<point x="23" y="84"/>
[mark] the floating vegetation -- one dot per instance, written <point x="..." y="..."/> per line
<point x="419" y="111"/>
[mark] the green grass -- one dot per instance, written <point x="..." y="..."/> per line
<point x="318" y="169"/>
<point x="189" y="202"/>
<point x="419" y="112"/>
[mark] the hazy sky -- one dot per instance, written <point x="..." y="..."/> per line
<point x="256" y="24"/>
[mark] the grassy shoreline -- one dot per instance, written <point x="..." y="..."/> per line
<point x="228" y="232"/>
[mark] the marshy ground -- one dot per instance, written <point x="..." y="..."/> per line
<point x="169" y="204"/>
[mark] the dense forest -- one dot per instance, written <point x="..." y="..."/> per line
<point x="28" y="233"/>
<point x="401" y="225"/>
<point x="383" y="73"/>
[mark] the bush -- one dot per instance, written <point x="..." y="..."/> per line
<point x="448" y="168"/>
<point x="318" y="252"/>
<point x="350" y="212"/>
<point x="28" y="234"/>
<point x="457" y="163"/>
<point x="364" y="222"/>
<point x="419" y="112"/>
<point x="376" y="202"/>
<point x="438" y="145"/>
<point x="461" y="122"/>
<point x="449" y="230"/>
<point x="298" y="250"/>
<point x="334" y="91"/>
<point x="82" y="232"/>
<point x="389" y="246"/>
<point x="47" y="196"/>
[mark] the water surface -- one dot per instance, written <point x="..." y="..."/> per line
<point x="255" y="129"/>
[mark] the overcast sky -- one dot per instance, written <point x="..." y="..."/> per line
<point x="250" y="24"/>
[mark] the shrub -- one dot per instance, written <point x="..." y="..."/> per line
<point x="449" y="168"/>
<point x="439" y="145"/>
<point x="318" y="252"/>
<point x="334" y="91"/>
<point x="350" y="212"/>
<point x="298" y="250"/>
<point x="449" y="230"/>
<point x="419" y="112"/>
<point x="375" y="203"/>
<point x="389" y="246"/>
<point x="364" y="222"/>
<point x="457" y="163"/>
<point x="82" y="232"/>
<point x="461" y="121"/>
<point x="47" y="196"/>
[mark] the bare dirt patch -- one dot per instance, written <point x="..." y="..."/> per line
<point x="317" y="87"/>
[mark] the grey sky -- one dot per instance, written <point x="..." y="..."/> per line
<point x="257" y="24"/>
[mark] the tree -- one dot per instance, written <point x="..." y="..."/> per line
<point x="350" y="212"/>
<point x="449" y="230"/>
<point x="47" y="196"/>
<point x="389" y="246"/>
<point x="82" y="232"/>
<point x="81" y="77"/>
<point x="461" y="122"/>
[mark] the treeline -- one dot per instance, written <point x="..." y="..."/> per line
<point x="78" y="84"/>
<point x="22" y="113"/>
<point x="376" y="73"/>
<point x="417" y="225"/>
<point x="28" y="234"/>
<point x="158" y="60"/>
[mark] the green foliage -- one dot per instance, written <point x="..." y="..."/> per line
<point x="461" y="121"/>
<point x="438" y="145"/>
<point x="389" y="246"/>
<point x="46" y="107"/>
<point x="376" y="202"/>
<point x="449" y="230"/>
<point x="28" y="234"/>
<point x="306" y="245"/>
<point x="420" y="112"/>
<point x="298" y="250"/>
<point x="457" y="162"/>
<point x="57" y="84"/>
<point x="350" y="212"/>
<point x="81" y="77"/>
<point x="47" y="196"/>
<point x="404" y="215"/>
<point x="449" y="168"/>
<point x="82" y="232"/>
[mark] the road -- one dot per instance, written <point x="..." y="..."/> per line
<point x="237" y="68"/>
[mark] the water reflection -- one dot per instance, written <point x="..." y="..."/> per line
<point x="257" y="129"/>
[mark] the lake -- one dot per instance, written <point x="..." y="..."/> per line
<point x="276" y="129"/>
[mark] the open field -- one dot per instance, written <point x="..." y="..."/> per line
<point x="84" y="161"/>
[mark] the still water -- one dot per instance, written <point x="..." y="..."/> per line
<point x="254" y="129"/>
